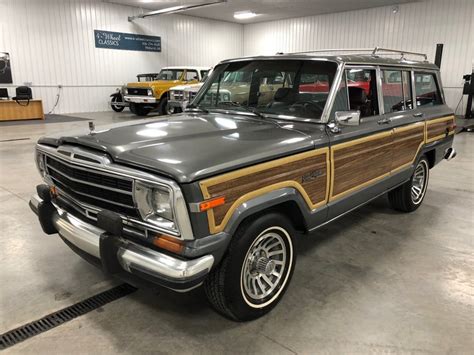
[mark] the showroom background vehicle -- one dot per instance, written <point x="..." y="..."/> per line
<point x="144" y="97"/>
<point x="220" y="194"/>
<point x="180" y="96"/>
<point x="116" y="100"/>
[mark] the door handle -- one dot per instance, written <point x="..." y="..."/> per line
<point x="418" y="114"/>
<point x="384" y="121"/>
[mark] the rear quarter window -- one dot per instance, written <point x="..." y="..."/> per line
<point x="427" y="89"/>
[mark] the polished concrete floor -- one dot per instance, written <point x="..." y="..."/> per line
<point x="373" y="281"/>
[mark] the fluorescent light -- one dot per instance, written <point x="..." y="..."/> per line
<point x="244" y="15"/>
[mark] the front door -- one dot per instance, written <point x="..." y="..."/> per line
<point x="361" y="155"/>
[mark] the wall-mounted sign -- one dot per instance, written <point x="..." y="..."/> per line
<point x="5" y="69"/>
<point x="127" y="41"/>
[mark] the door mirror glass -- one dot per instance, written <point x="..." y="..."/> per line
<point x="350" y="118"/>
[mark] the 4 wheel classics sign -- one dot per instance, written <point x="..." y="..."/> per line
<point x="127" y="41"/>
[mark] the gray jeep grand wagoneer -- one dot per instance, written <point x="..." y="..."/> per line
<point x="270" y="147"/>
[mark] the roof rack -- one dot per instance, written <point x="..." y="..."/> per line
<point x="374" y="52"/>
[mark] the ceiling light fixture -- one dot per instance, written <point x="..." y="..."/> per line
<point x="174" y="9"/>
<point x="244" y="15"/>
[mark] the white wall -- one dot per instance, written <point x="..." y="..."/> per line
<point x="416" y="27"/>
<point x="51" y="42"/>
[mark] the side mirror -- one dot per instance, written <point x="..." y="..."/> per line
<point x="350" y="118"/>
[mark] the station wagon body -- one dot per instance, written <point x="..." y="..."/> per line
<point x="219" y="194"/>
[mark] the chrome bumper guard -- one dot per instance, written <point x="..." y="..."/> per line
<point x="140" y="99"/>
<point x="131" y="256"/>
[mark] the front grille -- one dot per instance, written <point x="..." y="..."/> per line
<point x="138" y="91"/>
<point x="177" y="95"/>
<point x="94" y="188"/>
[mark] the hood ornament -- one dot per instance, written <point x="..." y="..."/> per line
<point x="91" y="128"/>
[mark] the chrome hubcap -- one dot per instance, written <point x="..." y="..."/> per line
<point x="418" y="183"/>
<point x="264" y="266"/>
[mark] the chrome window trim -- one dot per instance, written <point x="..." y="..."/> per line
<point x="332" y="93"/>
<point x="106" y="166"/>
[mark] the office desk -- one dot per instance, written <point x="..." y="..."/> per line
<point x="10" y="110"/>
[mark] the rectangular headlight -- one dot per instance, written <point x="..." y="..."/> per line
<point x="154" y="204"/>
<point x="40" y="162"/>
<point x="150" y="92"/>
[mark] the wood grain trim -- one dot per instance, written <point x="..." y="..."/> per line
<point x="407" y="128"/>
<point x="349" y="144"/>
<point x="436" y="130"/>
<point x="217" y="224"/>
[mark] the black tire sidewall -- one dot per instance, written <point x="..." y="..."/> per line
<point x="241" y="244"/>
<point x="163" y="104"/>
<point x="116" y="108"/>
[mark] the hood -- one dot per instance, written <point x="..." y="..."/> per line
<point x="190" y="147"/>
<point x="159" y="84"/>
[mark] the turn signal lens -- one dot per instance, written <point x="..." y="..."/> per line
<point x="53" y="191"/>
<point x="206" y="205"/>
<point x="168" y="243"/>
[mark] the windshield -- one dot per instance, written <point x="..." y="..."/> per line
<point x="170" y="74"/>
<point x="287" y="88"/>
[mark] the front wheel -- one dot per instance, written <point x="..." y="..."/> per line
<point x="165" y="108"/>
<point x="409" y="196"/>
<point x="139" y="110"/>
<point x="116" y="108"/>
<point x="257" y="269"/>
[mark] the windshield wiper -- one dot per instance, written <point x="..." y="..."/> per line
<point x="245" y="108"/>
<point x="196" y="108"/>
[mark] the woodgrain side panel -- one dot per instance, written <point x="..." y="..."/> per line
<point x="247" y="183"/>
<point x="439" y="128"/>
<point x="407" y="141"/>
<point x="360" y="162"/>
<point x="10" y="110"/>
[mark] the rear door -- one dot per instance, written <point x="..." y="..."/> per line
<point x="361" y="155"/>
<point x="400" y="113"/>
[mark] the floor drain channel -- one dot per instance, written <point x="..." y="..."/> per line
<point x="64" y="315"/>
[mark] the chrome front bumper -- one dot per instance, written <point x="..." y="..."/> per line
<point x="140" y="99"/>
<point x="132" y="257"/>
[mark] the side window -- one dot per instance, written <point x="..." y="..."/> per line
<point x="427" y="90"/>
<point x="191" y="75"/>
<point x="362" y="91"/>
<point x="204" y="73"/>
<point x="396" y="90"/>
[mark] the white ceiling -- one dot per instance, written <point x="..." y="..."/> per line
<point x="267" y="9"/>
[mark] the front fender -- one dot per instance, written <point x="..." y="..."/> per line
<point x="274" y="199"/>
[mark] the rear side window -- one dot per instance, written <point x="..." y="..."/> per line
<point x="427" y="90"/>
<point x="396" y="90"/>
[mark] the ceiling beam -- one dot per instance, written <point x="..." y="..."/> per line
<point x="175" y="9"/>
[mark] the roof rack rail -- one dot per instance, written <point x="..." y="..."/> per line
<point x="375" y="52"/>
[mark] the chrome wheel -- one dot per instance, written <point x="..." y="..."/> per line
<point x="419" y="182"/>
<point x="265" y="267"/>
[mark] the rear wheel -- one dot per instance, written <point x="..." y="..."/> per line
<point x="256" y="271"/>
<point x="409" y="196"/>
